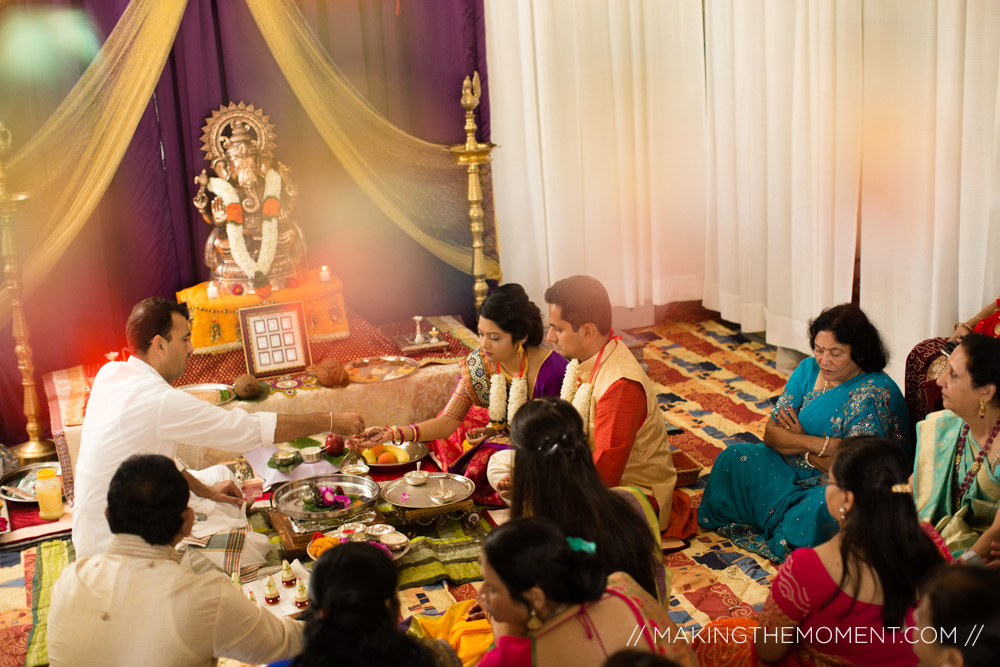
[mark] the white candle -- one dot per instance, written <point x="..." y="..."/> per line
<point x="213" y="291"/>
<point x="324" y="274"/>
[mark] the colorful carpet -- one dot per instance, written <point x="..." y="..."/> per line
<point x="718" y="386"/>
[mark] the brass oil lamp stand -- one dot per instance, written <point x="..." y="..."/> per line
<point x="471" y="154"/>
<point x="36" y="448"/>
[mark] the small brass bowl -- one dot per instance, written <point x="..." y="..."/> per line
<point x="377" y="529"/>
<point x="311" y="454"/>
<point x="283" y="458"/>
<point x="395" y="541"/>
<point x="354" y="469"/>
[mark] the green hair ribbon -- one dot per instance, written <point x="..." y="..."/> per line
<point x="577" y="544"/>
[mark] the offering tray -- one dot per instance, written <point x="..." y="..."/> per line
<point x="289" y="496"/>
<point x="415" y="450"/>
<point x="304" y="526"/>
<point x="294" y="542"/>
<point x="380" y="369"/>
<point x="215" y="393"/>
<point x="401" y="494"/>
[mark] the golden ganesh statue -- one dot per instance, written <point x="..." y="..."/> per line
<point x="253" y="239"/>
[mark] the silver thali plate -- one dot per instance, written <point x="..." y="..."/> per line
<point x="206" y="390"/>
<point x="401" y="494"/>
<point x="16" y="476"/>
<point x="289" y="496"/>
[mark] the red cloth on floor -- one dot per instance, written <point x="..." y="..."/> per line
<point x="24" y="515"/>
<point x="683" y="517"/>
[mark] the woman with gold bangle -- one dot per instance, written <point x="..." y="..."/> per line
<point x="986" y="322"/>
<point x="509" y="368"/>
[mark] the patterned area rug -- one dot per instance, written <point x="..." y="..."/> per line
<point x="719" y="387"/>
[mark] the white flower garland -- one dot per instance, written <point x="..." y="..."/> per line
<point x="498" y="399"/>
<point x="518" y="397"/>
<point x="269" y="229"/>
<point x="569" y="381"/>
<point x="580" y="396"/>
<point x="504" y="406"/>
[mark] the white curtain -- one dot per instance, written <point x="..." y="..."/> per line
<point x="599" y="110"/>
<point x="930" y="205"/>
<point x="784" y="115"/>
<point x="627" y="154"/>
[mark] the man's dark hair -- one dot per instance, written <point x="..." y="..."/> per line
<point x="150" y="318"/>
<point x="581" y="299"/>
<point x="147" y="497"/>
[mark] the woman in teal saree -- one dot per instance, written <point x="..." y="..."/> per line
<point x="956" y="477"/>
<point x="766" y="497"/>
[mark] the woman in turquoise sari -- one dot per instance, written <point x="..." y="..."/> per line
<point x="766" y="497"/>
<point x="956" y="480"/>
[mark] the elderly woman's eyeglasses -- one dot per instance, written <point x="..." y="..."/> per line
<point x="825" y="480"/>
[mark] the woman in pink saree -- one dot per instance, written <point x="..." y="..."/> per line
<point x="847" y="601"/>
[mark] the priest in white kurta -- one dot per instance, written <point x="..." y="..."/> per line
<point x="133" y="410"/>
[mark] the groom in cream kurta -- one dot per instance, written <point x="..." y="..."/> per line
<point x="625" y="431"/>
<point x="642" y="460"/>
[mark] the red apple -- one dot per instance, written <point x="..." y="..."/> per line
<point x="334" y="445"/>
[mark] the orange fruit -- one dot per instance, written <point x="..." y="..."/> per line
<point x="387" y="457"/>
<point x="377" y="450"/>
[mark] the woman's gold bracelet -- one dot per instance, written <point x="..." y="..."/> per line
<point x="826" y="443"/>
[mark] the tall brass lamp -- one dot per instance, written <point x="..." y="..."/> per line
<point x="36" y="448"/>
<point x="471" y="154"/>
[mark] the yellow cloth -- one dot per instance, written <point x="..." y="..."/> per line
<point x="470" y="639"/>
<point x="322" y="305"/>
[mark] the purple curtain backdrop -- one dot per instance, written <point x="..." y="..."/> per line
<point x="146" y="238"/>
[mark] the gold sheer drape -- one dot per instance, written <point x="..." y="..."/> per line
<point x="416" y="183"/>
<point x="67" y="166"/>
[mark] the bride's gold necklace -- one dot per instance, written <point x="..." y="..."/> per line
<point x="520" y="373"/>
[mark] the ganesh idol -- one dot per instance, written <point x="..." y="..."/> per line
<point x="254" y="242"/>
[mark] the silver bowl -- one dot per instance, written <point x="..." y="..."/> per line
<point x="289" y="496"/>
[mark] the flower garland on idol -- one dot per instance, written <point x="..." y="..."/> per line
<point x="257" y="270"/>
<point x="504" y="406"/>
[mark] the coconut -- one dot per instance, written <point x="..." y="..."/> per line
<point x="331" y="373"/>
<point x="246" y="386"/>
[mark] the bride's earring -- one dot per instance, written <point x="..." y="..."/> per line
<point x="534" y="623"/>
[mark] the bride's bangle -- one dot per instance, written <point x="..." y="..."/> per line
<point x="963" y="324"/>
